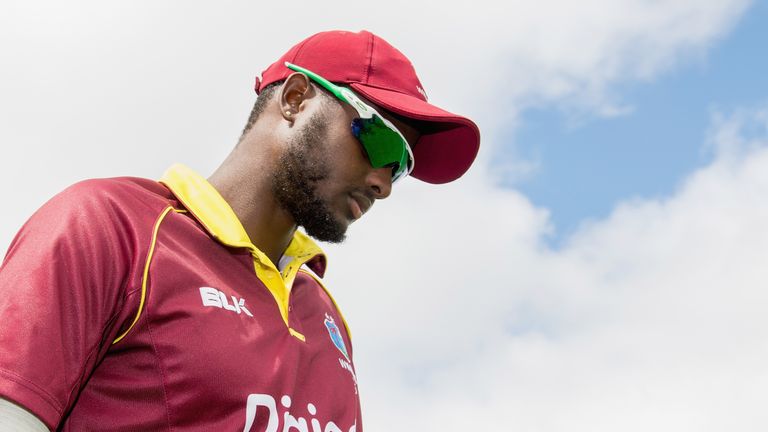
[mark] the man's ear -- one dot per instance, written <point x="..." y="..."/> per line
<point x="293" y="92"/>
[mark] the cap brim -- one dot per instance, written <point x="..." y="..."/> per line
<point x="447" y="150"/>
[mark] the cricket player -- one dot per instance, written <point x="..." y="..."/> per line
<point x="194" y="304"/>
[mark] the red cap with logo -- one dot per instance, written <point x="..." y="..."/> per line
<point x="378" y="71"/>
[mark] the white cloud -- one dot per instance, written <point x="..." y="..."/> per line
<point x="652" y="319"/>
<point x="463" y="319"/>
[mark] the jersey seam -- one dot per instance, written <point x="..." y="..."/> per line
<point x="138" y="288"/>
<point x="29" y="385"/>
<point x="143" y="286"/>
<point x="333" y="301"/>
<point x="158" y="364"/>
<point x="147" y="318"/>
<point x="92" y="351"/>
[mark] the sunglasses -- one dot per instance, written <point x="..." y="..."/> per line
<point x="384" y="145"/>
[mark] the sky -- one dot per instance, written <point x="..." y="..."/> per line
<point x="600" y="268"/>
<point x="650" y="149"/>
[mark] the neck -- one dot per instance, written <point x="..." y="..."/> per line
<point x="249" y="192"/>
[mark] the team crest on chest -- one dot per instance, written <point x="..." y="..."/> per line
<point x="333" y="331"/>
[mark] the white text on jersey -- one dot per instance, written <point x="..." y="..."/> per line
<point x="216" y="298"/>
<point x="290" y="422"/>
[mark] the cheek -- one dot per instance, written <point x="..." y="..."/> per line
<point x="344" y="155"/>
<point x="347" y="157"/>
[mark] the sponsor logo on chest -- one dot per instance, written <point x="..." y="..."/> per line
<point x="215" y="298"/>
<point x="263" y="406"/>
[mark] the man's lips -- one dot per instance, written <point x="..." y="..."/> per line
<point x="359" y="204"/>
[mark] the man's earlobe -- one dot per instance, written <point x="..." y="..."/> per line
<point x="292" y="95"/>
<point x="290" y="112"/>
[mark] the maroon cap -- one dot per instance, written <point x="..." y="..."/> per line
<point x="382" y="74"/>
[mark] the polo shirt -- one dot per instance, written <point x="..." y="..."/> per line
<point x="136" y="305"/>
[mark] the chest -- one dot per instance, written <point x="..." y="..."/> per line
<point x="212" y="348"/>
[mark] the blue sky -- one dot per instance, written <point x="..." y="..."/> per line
<point x="586" y="167"/>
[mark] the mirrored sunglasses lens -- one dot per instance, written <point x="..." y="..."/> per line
<point x="384" y="146"/>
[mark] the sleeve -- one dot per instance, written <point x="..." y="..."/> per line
<point x="62" y="284"/>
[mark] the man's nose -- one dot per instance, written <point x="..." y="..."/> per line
<point x="380" y="182"/>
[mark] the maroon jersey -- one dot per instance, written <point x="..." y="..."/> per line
<point x="133" y="305"/>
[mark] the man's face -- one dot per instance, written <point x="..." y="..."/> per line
<point x="326" y="181"/>
<point x="304" y="166"/>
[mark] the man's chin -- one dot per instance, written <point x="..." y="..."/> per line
<point x="329" y="232"/>
<point x="328" y="238"/>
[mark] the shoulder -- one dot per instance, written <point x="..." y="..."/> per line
<point x="97" y="210"/>
<point x="114" y="191"/>
<point x="108" y="198"/>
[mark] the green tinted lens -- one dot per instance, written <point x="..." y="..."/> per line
<point x="384" y="146"/>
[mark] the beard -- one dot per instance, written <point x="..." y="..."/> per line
<point x="303" y="167"/>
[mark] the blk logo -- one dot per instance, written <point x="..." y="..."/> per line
<point x="215" y="298"/>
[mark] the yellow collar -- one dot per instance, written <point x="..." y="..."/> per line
<point x="217" y="217"/>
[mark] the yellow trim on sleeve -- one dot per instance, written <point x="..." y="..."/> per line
<point x="146" y="272"/>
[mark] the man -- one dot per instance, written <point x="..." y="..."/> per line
<point x="194" y="304"/>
